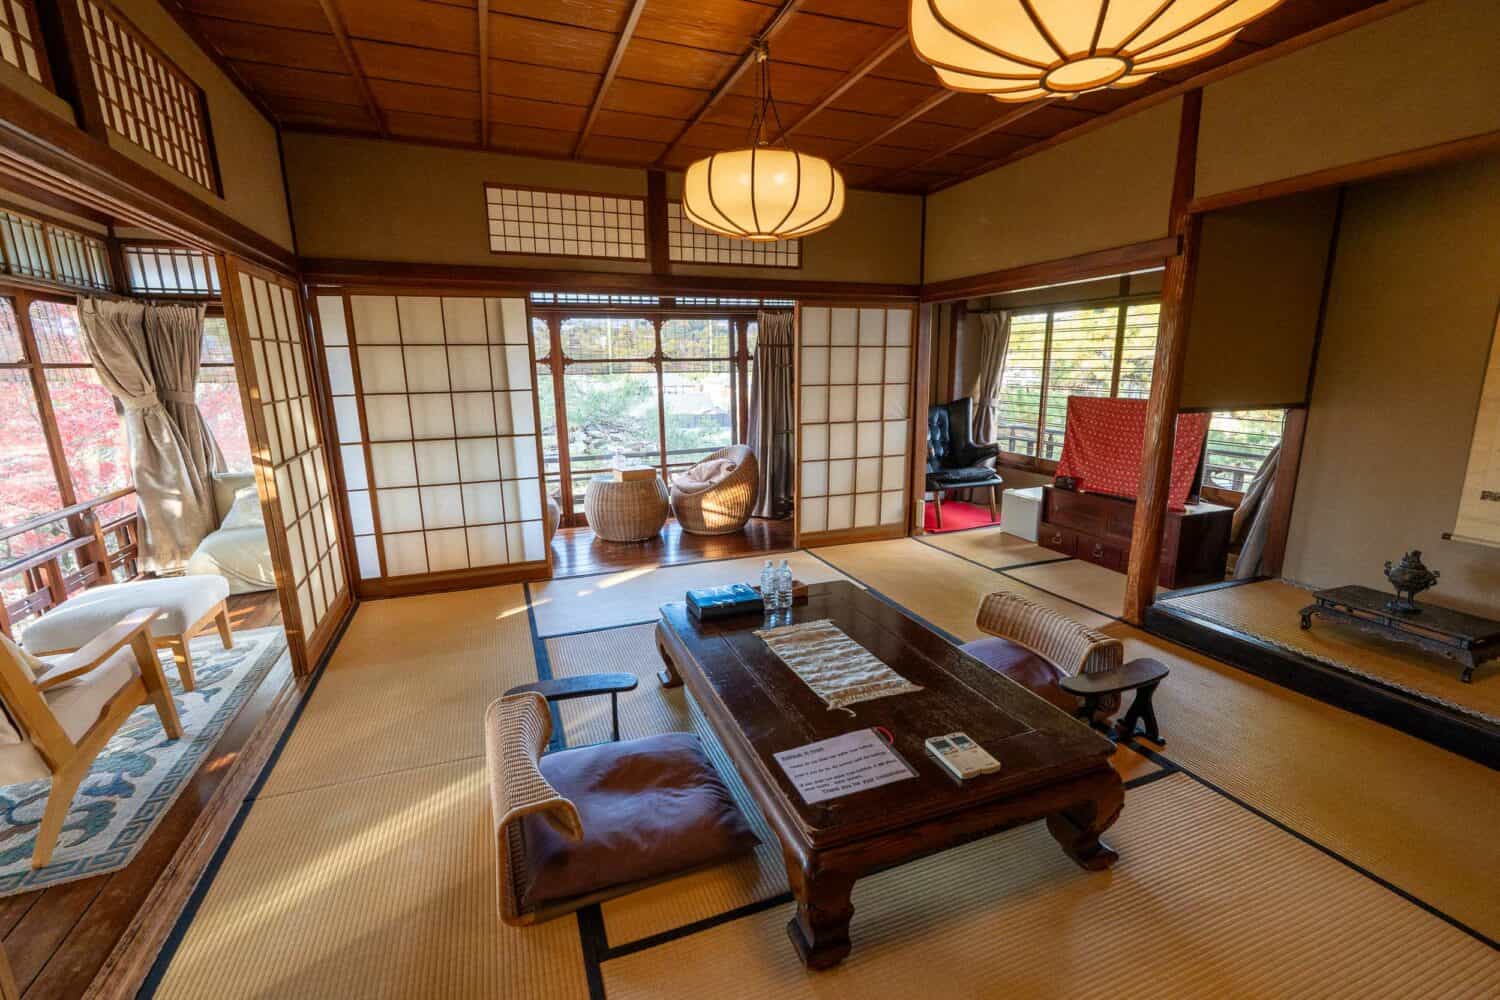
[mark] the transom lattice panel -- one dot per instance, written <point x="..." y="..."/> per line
<point x="146" y="98"/>
<point x="158" y="270"/>
<point x="854" y="420"/>
<point x="18" y="38"/>
<point x="435" y="412"/>
<point x="36" y="249"/>
<point x="565" y="223"/>
<point x="692" y="244"/>
<point x="291" y="464"/>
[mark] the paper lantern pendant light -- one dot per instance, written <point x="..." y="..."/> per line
<point x="766" y="191"/>
<point x="1023" y="50"/>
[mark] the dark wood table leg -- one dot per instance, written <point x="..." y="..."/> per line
<point x="820" y="928"/>
<point x="668" y="675"/>
<point x="1141" y="709"/>
<point x="1077" y="828"/>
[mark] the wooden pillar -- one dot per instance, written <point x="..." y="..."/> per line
<point x="64" y="37"/>
<point x="658" y="249"/>
<point x="921" y="399"/>
<point x="1166" y="376"/>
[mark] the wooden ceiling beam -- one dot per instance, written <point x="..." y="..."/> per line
<point x="626" y="32"/>
<point x="900" y="123"/>
<point x="747" y="61"/>
<point x="858" y="73"/>
<point x="483" y="19"/>
<point x="341" y="36"/>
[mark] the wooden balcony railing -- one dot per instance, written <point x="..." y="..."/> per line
<point x="47" y="578"/>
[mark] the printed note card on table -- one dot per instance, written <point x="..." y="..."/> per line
<point x="843" y="765"/>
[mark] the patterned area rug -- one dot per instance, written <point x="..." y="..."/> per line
<point x="140" y="772"/>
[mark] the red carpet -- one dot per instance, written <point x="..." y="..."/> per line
<point x="958" y="515"/>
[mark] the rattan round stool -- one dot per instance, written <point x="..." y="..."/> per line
<point x="630" y="511"/>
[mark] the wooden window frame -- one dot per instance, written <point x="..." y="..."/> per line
<point x="38" y="45"/>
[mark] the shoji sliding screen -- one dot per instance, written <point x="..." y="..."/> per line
<point x="854" y="387"/>
<point x="436" y="416"/>
<point x="291" y="464"/>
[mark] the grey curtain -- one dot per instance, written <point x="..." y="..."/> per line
<point x="176" y="501"/>
<point x="174" y="339"/>
<point x="994" y="335"/>
<point x="1252" y="519"/>
<point x="771" y="415"/>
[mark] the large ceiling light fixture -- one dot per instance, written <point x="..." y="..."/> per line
<point x="767" y="191"/>
<point x="1022" y="50"/>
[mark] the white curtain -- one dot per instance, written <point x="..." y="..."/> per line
<point x="994" y="335"/>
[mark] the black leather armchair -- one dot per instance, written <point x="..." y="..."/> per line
<point x="954" y="461"/>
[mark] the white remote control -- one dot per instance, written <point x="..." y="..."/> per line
<point x="962" y="757"/>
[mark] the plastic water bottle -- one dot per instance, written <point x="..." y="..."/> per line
<point x="784" y="588"/>
<point x="768" y="590"/>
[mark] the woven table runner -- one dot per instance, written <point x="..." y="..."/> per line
<point x="838" y="669"/>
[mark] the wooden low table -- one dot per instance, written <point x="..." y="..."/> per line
<point x="1054" y="768"/>
<point x="1468" y="640"/>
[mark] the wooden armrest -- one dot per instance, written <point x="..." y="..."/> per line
<point x="100" y="648"/>
<point x="582" y="686"/>
<point x="1136" y="673"/>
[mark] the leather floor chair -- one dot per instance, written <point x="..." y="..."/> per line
<point x="954" y="461"/>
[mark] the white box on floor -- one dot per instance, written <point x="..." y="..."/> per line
<point x="1021" y="512"/>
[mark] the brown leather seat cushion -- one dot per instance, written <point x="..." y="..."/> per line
<point x="1025" y="668"/>
<point x="650" y="807"/>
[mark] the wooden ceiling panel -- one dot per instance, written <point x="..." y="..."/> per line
<point x="792" y="83"/>
<point x="307" y="111"/>
<point x="680" y="155"/>
<point x="381" y="60"/>
<point x="717" y="135"/>
<point x="600" y="15"/>
<point x="903" y="64"/>
<point x="877" y="96"/>
<point x="641" y="97"/>
<point x="891" y="13"/>
<point x="405" y="22"/>
<point x="848" y="125"/>
<point x="659" y="62"/>
<point x="434" y="127"/>
<point x="968" y="111"/>
<point x="244" y="42"/>
<point x="925" y="135"/>
<point x="564" y="86"/>
<point x="624" y="125"/>
<point x="544" y="44"/>
<point x="1048" y="120"/>
<point x="417" y="98"/>
<point x="829" y="43"/>
<point x="304" y="14"/>
<point x="543" y="142"/>
<point x="1296" y="17"/>
<point x="537" y="114"/>
<point x="288" y="81"/>
<point x="996" y="144"/>
<point x="727" y="26"/>
<point x="885" y="156"/>
<point x="611" y="149"/>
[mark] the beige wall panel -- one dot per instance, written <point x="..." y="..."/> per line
<point x="358" y="199"/>
<point x="1423" y="76"/>
<point x="246" y="142"/>
<point x="39" y="95"/>
<point x="1107" y="188"/>
<point x="1410" y="315"/>
<point x="1255" y="304"/>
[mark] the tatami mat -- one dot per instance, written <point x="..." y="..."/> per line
<point x="377" y="888"/>
<point x="991" y="547"/>
<point x="408" y="686"/>
<point x="1206" y="901"/>
<point x="634" y="595"/>
<point x="940" y="587"/>
<point x="1416" y="815"/>
<point x="1268" y="610"/>
<point x="1084" y="583"/>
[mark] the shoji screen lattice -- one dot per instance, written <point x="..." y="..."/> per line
<point x="435" y="412"/>
<point x="854" y="377"/>
<point x="291" y="463"/>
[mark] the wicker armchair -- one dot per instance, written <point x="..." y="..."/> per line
<point x="723" y="507"/>
<point x="1066" y="645"/>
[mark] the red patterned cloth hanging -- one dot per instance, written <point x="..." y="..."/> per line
<point x="1103" y="443"/>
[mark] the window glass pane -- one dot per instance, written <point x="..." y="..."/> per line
<point x="612" y="409"/>
<point x="1081" y="364"/>
<point x="752" y="335"/>
<point x="58" y="337"/>
<point x="93" y="436"/>
<point x="10" y="333"/>
<point x="696" y="338"/>
<point x="606" y="337"/>
<point x="698" y="398"/>
<point x="1020" y="397"/>
<point x="218" y="394"/>
<point x="541" y="338"/>
<point x="216" y="350"/>
<point x="547" y="403"/>
<point x="30" y="486"/>
<point x="1138" y="356"/>
<point x="1238" y="442"/>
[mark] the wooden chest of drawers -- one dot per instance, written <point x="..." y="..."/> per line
<point x="1097" y="528"/>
